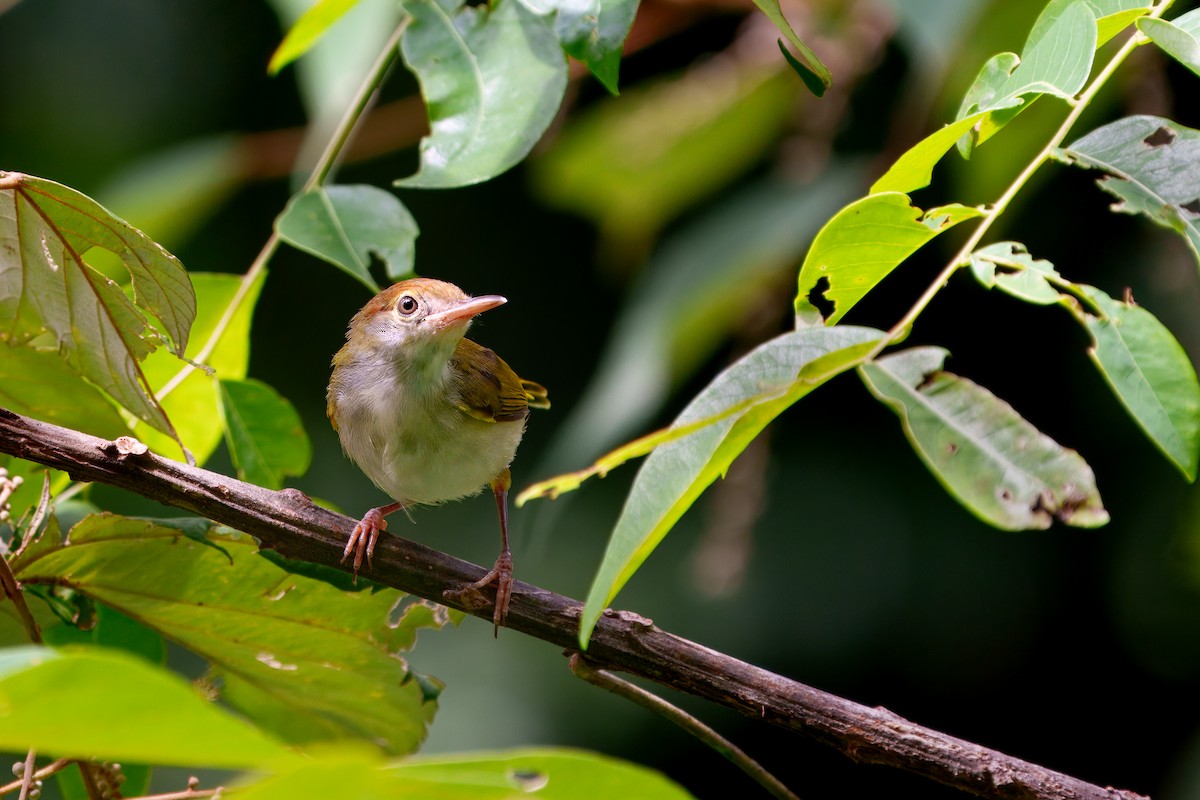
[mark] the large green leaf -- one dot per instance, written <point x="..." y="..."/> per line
<point x="344" y="225"/>
<point x="1153" y="164"/>
<point x="492" y="77"/>
<point x="1150" y="373"/>
<point x="193" y="403"/>
<point x="1056" y="60"/>
<point x="592" y="31"/>
<point x="1179" y="38"/>
<point x="265" y="436"/>
<point x="983" y="452"/>
<point x="37" y="382"/>
<point x="804" y="61"/>
<point x="95" y="703"/>
<point x="302" y="659"/>
<point x="308" y="29"/>
<point x="760" y="386"/>
<point x="860" y="246"/>
<point x="46" y="230"/>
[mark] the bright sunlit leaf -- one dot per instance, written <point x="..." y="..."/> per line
<point x="1009" y="267"/>
<point x="1179" y="38"/>
<point x="307" y="31"/>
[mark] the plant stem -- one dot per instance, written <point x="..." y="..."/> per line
<point x="961" y="258"/>
<point x="40" y="775"/>
<point x="320" y="173"/>
<point x="27" y="776"/>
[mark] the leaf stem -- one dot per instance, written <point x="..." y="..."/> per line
<point x="41" y="774"/>
<point x="319" y="175"/>
<point x="961" y="258"/>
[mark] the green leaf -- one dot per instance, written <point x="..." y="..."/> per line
<point x="860" y="246"/>
<point x="492" y="79"/>
<point x="914" y="169"/>
<point x="1009" y="267"/>
<point x="263" y="431"/>
<point x="119" y="707"/>
<point x="1179" y="38"/>
<point x="816" y="76"/>
<point x="1056" y="60"/>
<point x="591" y="31"/>
<point x="194" y="403"/>
<point x="303" y="660"/>
<point x="988" y="457"/>
<point x="1150" y="373"/>
<point x="545" y="773"/>
<point x="1152" y="163"/>
<point x="762" y="384"/>
<point x="46" y="229"/>
<point x="37" y="382"/>
<point x="344" y="225"/>
<point x="308" y="29"/>
<point x="1114" y="17"/>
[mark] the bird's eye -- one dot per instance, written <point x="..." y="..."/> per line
<point x="407" y="305"/>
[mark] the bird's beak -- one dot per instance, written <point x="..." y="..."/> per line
<point x="465" y="311"/>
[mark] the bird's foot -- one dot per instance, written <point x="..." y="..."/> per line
<point x="502" y="575"/>
<point x="363" y="537"/>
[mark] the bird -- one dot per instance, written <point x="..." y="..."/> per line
<point x="427" y="414"/>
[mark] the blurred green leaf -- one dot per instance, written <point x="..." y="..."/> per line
<point x="45" y="286"/>
<point x="1009" y="267"/>
<point x="1153" y="163"/>
<point x="37" y="382"/>
<point x="1179" y="38"/>
<point x="634" y="164"/>
<point x="914" y="169"/>
<point x="119" y="707"/>
<point x="1150" y="373"/>
<point x="1056" y="59"/>
<point x="344" y="225"/>
<point x="1114" y="16"/>
<point x="804" y="61"/>
<point x="194" y="403"/>
<point x="988" y="457"/>
<point x="860" y="246"/>
<point x="308" y="29"/>
<point x="591" y="31"/>
<point x="264" y="433"/>
<point x="779" y="373"/>
<point x="303" y="660"/>
<point x="493" y="78"/>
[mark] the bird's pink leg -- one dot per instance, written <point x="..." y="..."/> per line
<point x="366" y="532"/>
<point x="502" y="572"/>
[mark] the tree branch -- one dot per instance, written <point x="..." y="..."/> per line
<point x="290" y="524"/>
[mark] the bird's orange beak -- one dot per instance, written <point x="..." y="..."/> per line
<point x="465" y="311"/>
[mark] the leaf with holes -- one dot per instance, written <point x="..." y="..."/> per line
<point x="1009" y="267"/>
<point x="989" y="458"/>
<point x="592" y="31"/>
<point x="860" y="246"/>
<point x="263" y="432"/>
<point x="46" y="286"/>
<point x="344" y="225"/>
<point x="1152" y="164"/>
<point x="492" y="78"/>
<point x="1178" y="38"/>
<point x="305" y="661"/>
<point x="739" y="403"/>
<point x="1149" y="371"/>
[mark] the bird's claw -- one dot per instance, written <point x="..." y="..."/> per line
<point x="502" y="575"/>
<point x="363" y="537"/>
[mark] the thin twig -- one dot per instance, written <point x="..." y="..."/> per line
<point x="40" y="775"/>
<point x="636" y="694"/>
<point x="27" y="778"/>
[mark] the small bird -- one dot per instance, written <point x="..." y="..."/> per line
<point x="428" y="415"/>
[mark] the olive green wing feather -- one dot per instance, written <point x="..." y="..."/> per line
<point x="488" y="389"/>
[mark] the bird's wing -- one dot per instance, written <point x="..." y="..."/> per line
<point x="487" y="387"/>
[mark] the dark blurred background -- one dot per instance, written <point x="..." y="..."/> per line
<point x="649" y="240"/>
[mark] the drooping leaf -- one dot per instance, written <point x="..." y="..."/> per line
<point x="1179" y="38"/>
<point x="914" y="169"/>
<point x="492" y="79"/>
<point x="988" y="457"/>
<point x="634" y="164"/>
<point x="193" y="403"/>
<point x="1009" y="267"/>
<point x="690" y="296"/>
<point x="804" y="61"/>
<point x="120" y="708"/>
<point x="303" y="660"/>
<point x="544" y="773"/>
<point x="264" y="433"/>
<point x="860" y="246"/>
<point x="46" y="230"/>
<point x="1150" y="373"/>
<point x="344" y="225"/>
<point x="761" y="384"/>
<point x="308" y="29"/>
<point x="1152" y="164"/>
<point x="1056" y="60"/>
<point x="591" y="31"/>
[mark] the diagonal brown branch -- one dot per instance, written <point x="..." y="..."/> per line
<point x="287" y="522"/>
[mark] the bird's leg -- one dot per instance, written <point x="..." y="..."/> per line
<point x="366" y="532"/>
<point x="502" y="572"/>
